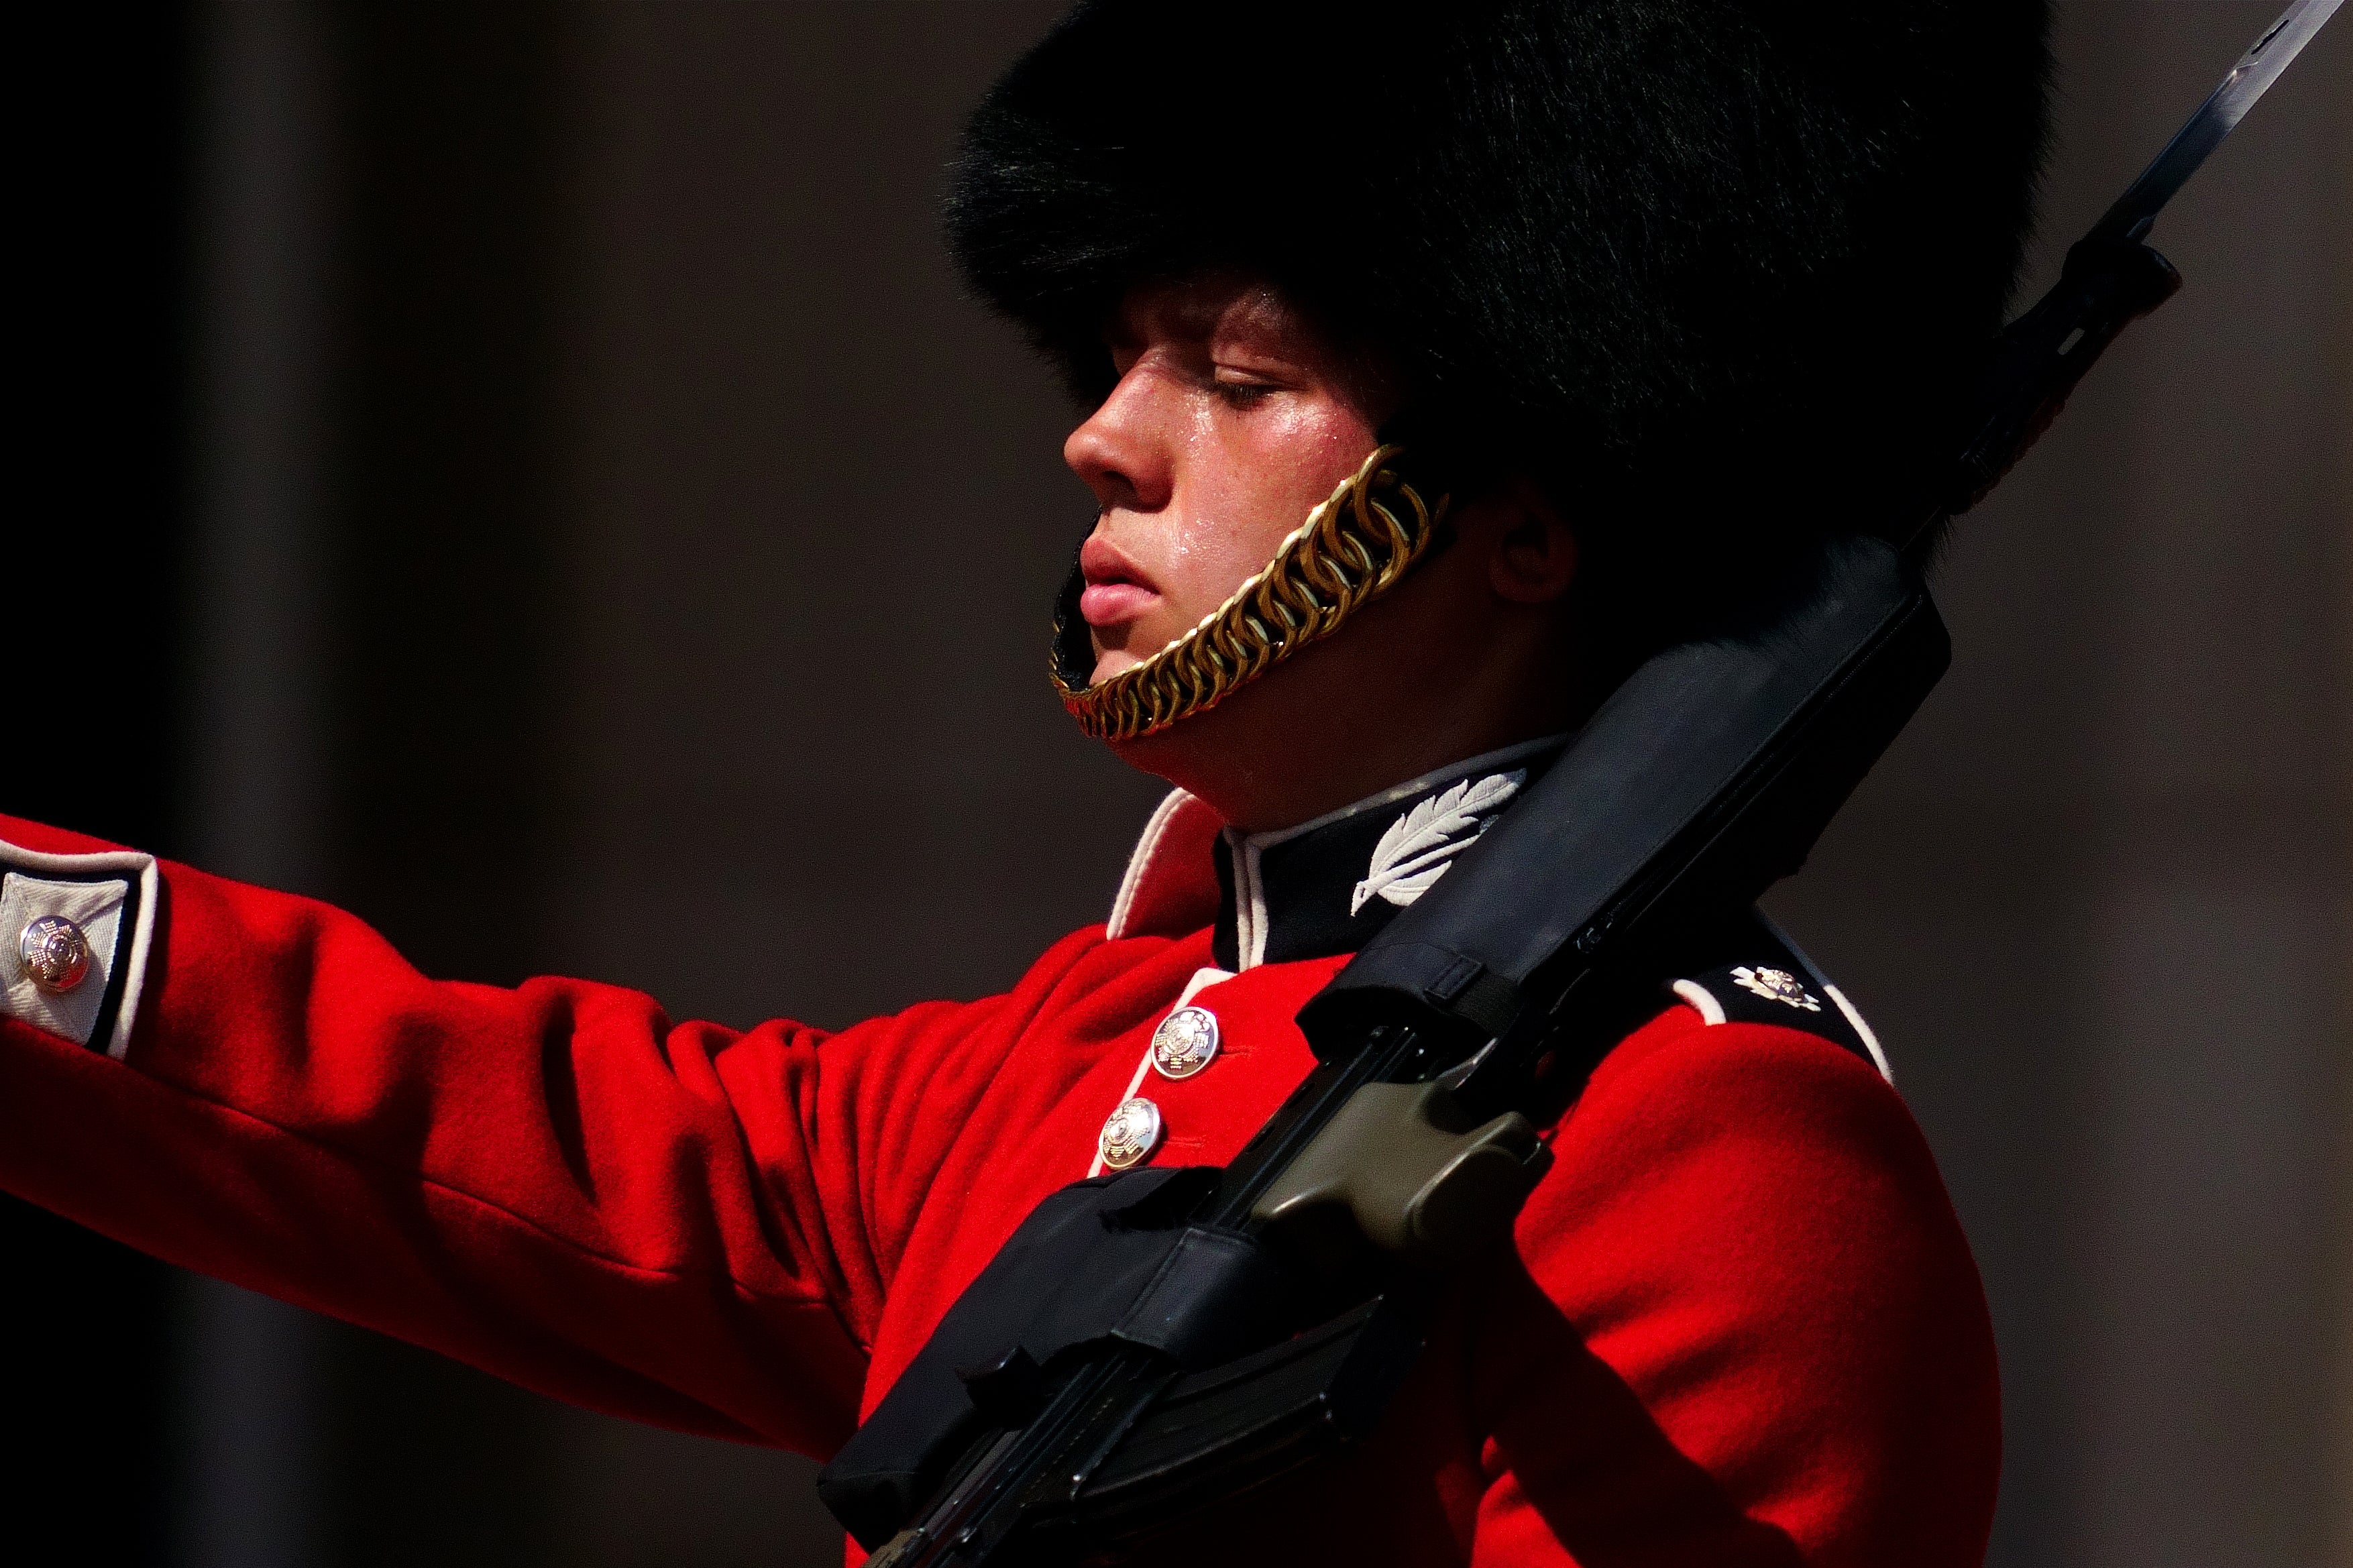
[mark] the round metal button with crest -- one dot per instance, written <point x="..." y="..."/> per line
<point x="1185" y="1042"/>
<point x="1131" y="1134"/>
<point x="55" y="952"/>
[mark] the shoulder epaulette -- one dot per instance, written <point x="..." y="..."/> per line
<point x="1768" y="980"/>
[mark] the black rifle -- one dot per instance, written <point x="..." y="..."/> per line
<point x="1212" y="1328"/>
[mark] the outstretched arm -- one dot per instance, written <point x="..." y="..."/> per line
<point x="553" y="1183"/>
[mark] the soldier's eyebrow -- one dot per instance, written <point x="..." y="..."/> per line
<point x="1264" y="332"/>
<point x="1241" y="324"/>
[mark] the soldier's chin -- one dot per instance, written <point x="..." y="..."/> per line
<point x="1111" y="662"/>
<point x="1135" y="647"/>
<point x="1243" y="733"/>
<point x="1175" y="753"/>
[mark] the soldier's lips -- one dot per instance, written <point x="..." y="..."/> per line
<point x="1115" y="603"/>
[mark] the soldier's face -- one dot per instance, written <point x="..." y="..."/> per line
<point x="1232" y="418"/>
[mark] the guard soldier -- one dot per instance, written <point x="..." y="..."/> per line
<point x="1443" y="360"/>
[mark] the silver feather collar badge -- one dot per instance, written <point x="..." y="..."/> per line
<point x="1423" y="841"/>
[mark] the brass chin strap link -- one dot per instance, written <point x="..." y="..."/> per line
<point x="1351" y="550"/>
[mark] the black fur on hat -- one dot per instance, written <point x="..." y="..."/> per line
<point x="1717" y="266"/>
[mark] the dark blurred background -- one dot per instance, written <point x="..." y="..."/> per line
<point x="526" y="473"/>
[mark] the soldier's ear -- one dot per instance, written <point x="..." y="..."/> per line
<point x="1533" y="558"/>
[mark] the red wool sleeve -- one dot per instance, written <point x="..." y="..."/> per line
<point x="674" y="1222"/>
<point x="1742" y="1328"/>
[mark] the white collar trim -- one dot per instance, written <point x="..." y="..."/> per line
<point x="1139" y="862"/>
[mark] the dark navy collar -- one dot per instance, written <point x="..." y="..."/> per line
<point x="1325" y="886"/>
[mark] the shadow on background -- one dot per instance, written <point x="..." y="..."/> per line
<point x="546" y="492"/>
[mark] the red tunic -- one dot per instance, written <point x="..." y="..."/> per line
<point x="1739" y="1325"/>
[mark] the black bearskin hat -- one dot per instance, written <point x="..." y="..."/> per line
<point x="1712" y="269"/>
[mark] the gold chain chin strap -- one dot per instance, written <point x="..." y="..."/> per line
<point x="1351" y="550"/>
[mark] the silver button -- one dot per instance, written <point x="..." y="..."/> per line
<point x="56" y="953"/>
<point x="1185" y="1042"/>
<point x="1131" y="1134"/>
